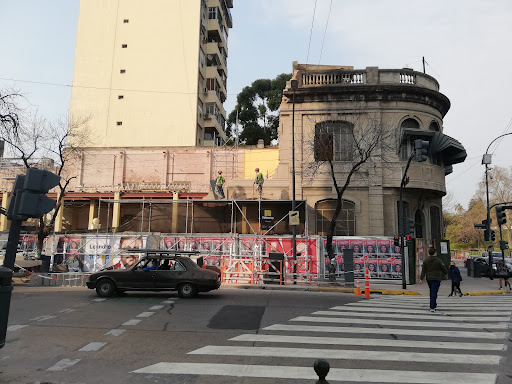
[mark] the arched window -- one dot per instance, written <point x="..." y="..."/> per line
<point x="334" y="140"/>
<point x="406" y="145"/>
<point x="345" y="223"/>
<point x="418" y="224"/>
<point x="410" y="123"/>
<point x="435" y="223"/>
<point x="433" y="126"/>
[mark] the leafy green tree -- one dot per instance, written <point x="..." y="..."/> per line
<point x="256" y="107"/>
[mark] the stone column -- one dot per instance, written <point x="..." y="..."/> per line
<point x="4" y="224"/>
<point x="116" y="214"/>
<point x="174" y="219"/>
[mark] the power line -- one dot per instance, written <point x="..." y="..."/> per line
<point x="325" y="32"/>
<point x="311" y="32"/>
<point x="102" y="88"/>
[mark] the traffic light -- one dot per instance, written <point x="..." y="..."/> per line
<point x="408" y="226"/>
<point x="396" y="241"/>
<point x="29" y="194"/>
<point x="486" y="235"/>
<point x="493" y="235"/>
<point x="500" y="215"/>
<point x="421" y="147"/>
<point x="503" y="245"/>
<point x="407" y="238"/>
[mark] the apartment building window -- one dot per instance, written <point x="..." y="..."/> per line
<point x="120" y="97"/>
<point x="122" y="71"/>
<point x="345" y="222"/>
<point x="212" y="13"/>
<point x="124" y="46"/>
<point x="210" y="84"/>
<point x="334" y="141"/>
<point x="119" y="123"/>
<point x="126" y="21"/>
<point x="211" y="108"/>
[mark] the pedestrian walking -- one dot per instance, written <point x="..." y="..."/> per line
<point x="219" y="182"/>
<point x="456" y="278"/>
<point x="258" y="180"/>
<point x="434" y="270"/>
<point x="503" y="273"/>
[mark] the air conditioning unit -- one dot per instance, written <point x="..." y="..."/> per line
<point x="205" y="90"/>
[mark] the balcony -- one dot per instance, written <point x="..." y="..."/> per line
<point x="316" y="77"/>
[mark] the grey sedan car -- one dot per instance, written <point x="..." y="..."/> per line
<point x="157" y="271"/>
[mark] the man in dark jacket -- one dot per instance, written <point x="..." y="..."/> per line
<point x="434" y="270"/>
<point x="456" y="278"/>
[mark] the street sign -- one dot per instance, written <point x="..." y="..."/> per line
<point x="294" y="217"/>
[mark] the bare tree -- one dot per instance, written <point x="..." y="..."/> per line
<point x="53" y="146"/>
<point x="344" y="148"/>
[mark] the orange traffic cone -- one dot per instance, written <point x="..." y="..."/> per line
<point x="358" y="288"/>
<point x="366" y="284"/>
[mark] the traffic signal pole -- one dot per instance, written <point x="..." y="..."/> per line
<point x="6" y="272"/>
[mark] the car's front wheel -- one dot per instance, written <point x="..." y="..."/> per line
<point x="187" y="290"/>
<point x="105" y="288"/>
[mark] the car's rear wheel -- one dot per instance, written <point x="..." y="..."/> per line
<point x="105" y="288"/>
<point x="187" y="290"/>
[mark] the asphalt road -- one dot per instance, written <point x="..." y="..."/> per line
<point x="60" y="335"/>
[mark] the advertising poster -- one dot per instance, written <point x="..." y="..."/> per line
<point x="123" y="259"/>
<point x="307" y="261"/>
<point x="378" y="256"/>
<point x="98" y="253"/>
<point x="73" y="255"/>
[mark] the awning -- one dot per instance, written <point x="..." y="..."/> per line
<point x="451" y="150"/>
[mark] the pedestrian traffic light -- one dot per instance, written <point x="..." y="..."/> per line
<point x="503" y="245"/>
<point x="407" y="238"/>
<point x="396" y="241"/>
<point x="493" y="235"/>
<point x="29" y="194"/>
<point x="500" y="215"/>
<point x="421" y="147"/>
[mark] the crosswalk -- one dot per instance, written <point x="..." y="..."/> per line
<point x="381" y="340"/>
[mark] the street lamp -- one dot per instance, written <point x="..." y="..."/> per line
<point x="294" y="83"/>
<point x="487" y="160"/>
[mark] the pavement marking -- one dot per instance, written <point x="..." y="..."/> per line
<point x="98" y="300"/>
<point x="91" y="347"/>
<point x="425" y="316"/>
<point x="156" y="307"/>
<point x="368" y="342"/>
<point x="352" y="354"/>
<point x="385" y="331"/>
<point x="63" y="365"/>
<point x="145" y="314"/>
<point x="115" y="332"/>
<point x="67" y="310"/>
<point x="441" y="311"/>
<point x="132" y="322"/>
<point x="16" y="327"/>
<point x="401" y="323"/>
<point x="463" y="308"/>
<point x="307" y="373"/>
<point x="42" y="318"/>
<point x="167" y="302"/>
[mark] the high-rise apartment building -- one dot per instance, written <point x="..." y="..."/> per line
<point x="152" y="74"/>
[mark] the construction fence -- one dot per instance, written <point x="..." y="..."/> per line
<point x="242" y="259"/>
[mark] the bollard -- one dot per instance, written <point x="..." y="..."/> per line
<point x="321" y="368"/>
<point x="366" y="284"/>
<point x="358" y="288"/>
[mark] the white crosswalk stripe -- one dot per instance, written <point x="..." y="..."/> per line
<point x="394" y="331"/>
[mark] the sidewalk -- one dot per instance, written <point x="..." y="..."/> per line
<point x="471" y="286"/>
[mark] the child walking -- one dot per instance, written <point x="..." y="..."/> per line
<point x="456" y="278"/>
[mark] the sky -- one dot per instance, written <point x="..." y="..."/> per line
<point x="466" y="45"/>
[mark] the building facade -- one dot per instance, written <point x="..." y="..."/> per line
<point x="151" y="75"/>
<point x="405" y="103"/>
